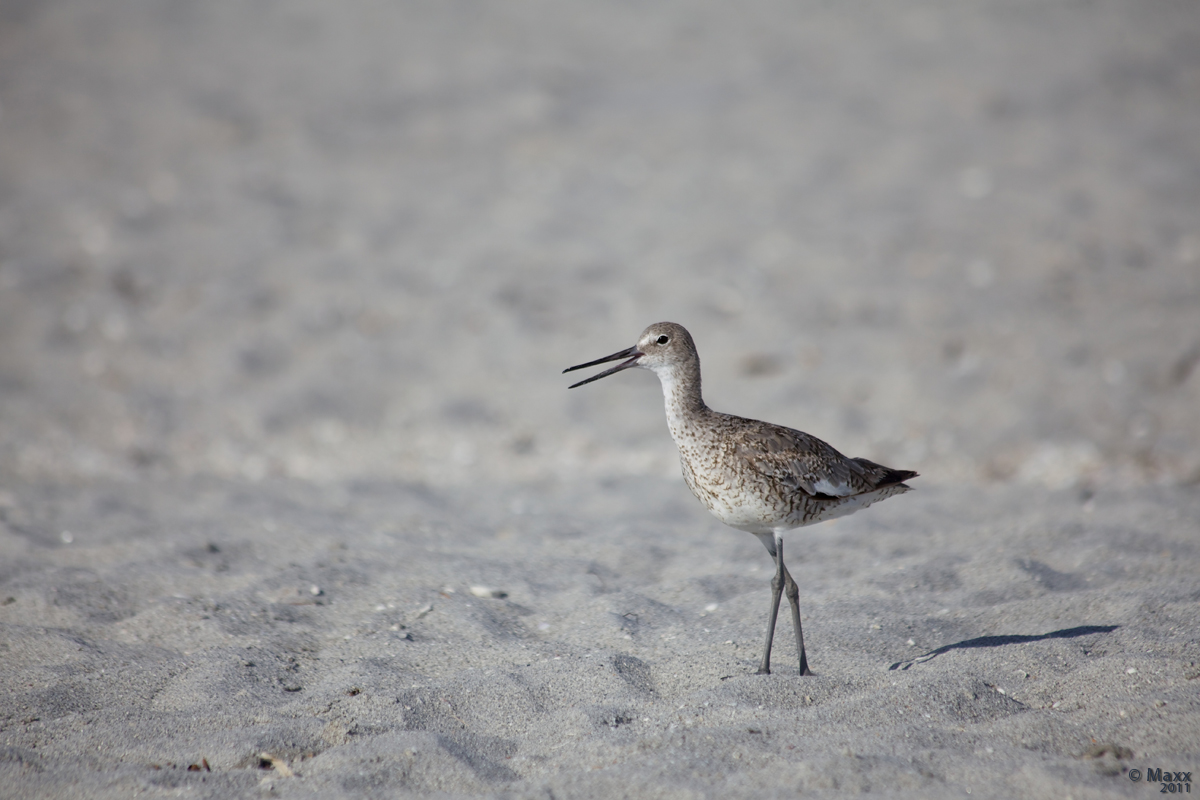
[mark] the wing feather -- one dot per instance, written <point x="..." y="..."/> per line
<point x="803" y="461"/>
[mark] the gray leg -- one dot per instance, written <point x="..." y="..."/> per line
<point x="793" y="595"/>
<point x="776" y="593"/>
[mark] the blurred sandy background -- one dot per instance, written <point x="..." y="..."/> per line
<point x="332" y="241"/>
<point x="324" y="262"/>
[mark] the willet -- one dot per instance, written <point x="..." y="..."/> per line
<point x="753" y="476"/>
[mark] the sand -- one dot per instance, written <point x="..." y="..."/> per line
<point x="293" y="498"/>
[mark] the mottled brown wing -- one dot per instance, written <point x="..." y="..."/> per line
<point x="803" y="461"/>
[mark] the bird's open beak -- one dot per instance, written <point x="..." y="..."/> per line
<point x="632" y="354"/>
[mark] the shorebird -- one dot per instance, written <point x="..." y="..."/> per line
<point x="754" y="476"/>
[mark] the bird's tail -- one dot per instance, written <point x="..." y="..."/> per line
<point x="885" y="476"/>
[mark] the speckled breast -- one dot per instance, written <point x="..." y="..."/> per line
<point x="739" y="500"/>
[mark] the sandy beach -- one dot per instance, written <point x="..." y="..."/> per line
<point x="294" y="500"/>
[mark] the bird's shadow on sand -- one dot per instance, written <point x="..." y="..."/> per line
<point x="1000" y="641"/>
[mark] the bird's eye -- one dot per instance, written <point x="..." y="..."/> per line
<point x="664" y="339"/>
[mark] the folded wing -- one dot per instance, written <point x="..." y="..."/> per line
<point x="804" y="462"/>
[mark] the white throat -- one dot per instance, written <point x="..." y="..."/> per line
<point x="674" y="396"/>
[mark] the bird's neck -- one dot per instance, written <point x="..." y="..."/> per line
<point x="681" y="394"/>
